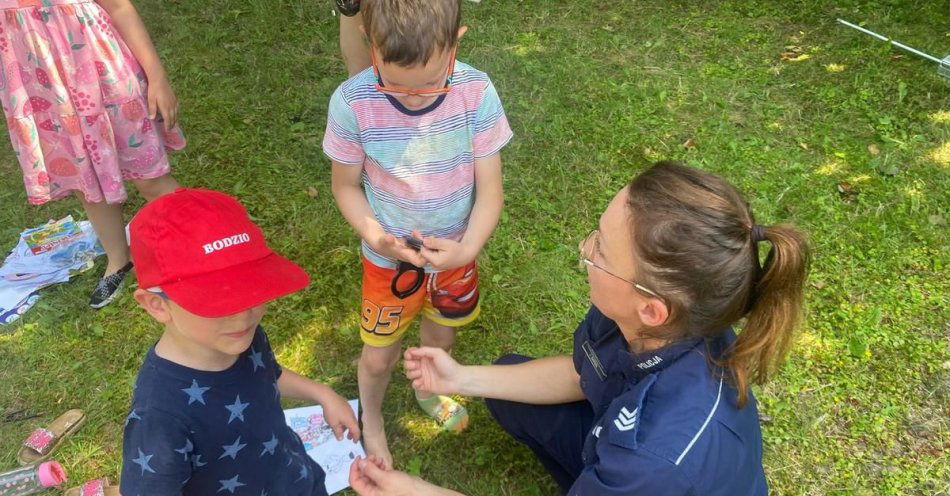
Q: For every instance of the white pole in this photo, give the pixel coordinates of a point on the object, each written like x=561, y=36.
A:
x=895, y=43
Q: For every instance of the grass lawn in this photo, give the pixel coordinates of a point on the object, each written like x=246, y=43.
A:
x=841, y=135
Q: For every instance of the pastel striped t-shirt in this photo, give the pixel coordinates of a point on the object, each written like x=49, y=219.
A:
x=418, y=166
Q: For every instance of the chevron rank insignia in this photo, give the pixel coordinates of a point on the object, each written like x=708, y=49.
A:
x=626, y=415
x=626, y=420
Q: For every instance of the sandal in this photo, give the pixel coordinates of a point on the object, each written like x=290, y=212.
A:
x=98, y=487
x=18, y=414
x=43, y=441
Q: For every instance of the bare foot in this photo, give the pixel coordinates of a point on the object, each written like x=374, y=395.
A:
x=374, y=440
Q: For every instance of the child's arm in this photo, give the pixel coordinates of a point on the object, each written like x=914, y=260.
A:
x=153, y=445
x=489, y=197
x=336, y=410
x=347, y=188
x=161, y=98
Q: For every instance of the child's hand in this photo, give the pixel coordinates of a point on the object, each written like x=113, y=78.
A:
x=389, y=246
x=162, y=100
x=432, y=370
x=339, y=416
x=445, y=254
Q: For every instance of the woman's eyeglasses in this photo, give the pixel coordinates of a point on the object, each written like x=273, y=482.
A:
x=589, y=247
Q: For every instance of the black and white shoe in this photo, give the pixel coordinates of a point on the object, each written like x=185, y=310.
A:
x=108, y=287
x=348, y=8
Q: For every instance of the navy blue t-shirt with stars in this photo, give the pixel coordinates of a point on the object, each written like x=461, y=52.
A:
x=191, y=432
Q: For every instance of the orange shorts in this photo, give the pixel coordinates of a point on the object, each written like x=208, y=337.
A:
x=449, y=298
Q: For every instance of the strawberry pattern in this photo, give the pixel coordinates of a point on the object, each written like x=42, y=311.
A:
x=43, y=78
x=75, y=102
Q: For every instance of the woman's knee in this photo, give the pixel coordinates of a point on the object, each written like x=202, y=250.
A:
x=507, y=413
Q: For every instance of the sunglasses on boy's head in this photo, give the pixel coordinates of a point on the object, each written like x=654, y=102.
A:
x=397, y=91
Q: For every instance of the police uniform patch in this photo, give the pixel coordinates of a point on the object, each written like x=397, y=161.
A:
x=624, y=414
x=594, y=360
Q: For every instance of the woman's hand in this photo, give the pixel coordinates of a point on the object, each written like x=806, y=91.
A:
x=369, y=478
x=432, y=370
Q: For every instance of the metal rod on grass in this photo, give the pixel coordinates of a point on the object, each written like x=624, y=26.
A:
x=895, y=43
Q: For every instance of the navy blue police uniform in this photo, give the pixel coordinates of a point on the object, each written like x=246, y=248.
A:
x=664, y=422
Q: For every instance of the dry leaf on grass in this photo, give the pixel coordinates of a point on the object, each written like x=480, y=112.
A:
x=846, y=189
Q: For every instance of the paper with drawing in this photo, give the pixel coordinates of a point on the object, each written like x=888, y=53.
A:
x=334, y=456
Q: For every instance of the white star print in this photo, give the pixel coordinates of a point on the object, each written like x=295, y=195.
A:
x=195, y=392
x=236, y=409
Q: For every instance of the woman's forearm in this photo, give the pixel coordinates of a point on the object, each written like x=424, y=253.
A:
x=543, y=381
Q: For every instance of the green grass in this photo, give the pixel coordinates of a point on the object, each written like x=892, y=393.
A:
x=595, y=91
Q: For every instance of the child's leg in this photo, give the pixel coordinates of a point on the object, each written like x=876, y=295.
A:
x=354, y=49
x=374, y=372
x=437, y=336
x=106, y=219
x=453, y=302
x=384, y=318
x=448, y=413
x=151, y=189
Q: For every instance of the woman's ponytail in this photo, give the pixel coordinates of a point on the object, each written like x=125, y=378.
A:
x=775, y=310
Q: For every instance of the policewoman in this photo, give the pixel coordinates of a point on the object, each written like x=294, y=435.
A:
x=656, y=398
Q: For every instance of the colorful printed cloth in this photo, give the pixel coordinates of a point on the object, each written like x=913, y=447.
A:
x=75, y=101
x=13, y=314
x=44, y=257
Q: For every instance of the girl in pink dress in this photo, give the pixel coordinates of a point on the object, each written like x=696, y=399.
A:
x=88, y=105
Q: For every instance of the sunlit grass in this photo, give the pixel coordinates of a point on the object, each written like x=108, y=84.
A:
x=594, y=91
x=941, y=155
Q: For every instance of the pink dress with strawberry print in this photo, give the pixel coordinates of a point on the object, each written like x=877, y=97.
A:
x=75, y=101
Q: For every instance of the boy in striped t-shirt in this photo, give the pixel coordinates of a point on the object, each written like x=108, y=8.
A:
x=415, y=143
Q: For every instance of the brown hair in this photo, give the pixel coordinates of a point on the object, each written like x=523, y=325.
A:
x=694, y=240
x=408, y=32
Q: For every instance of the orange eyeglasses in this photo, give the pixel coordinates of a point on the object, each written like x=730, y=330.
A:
x=395, y=91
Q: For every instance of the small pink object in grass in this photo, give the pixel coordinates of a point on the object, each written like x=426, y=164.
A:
x=31, y=479
x=51, y=474
x=40, y=440
x=93, y=488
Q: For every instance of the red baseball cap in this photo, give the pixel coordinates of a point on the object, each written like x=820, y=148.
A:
x=203, y=251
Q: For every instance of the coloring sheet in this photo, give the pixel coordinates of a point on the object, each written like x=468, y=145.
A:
x=334, y=456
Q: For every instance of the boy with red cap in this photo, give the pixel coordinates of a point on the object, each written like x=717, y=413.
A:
x=206, y=415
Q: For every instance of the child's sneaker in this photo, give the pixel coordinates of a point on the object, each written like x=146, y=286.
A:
x=348, y=8
x=108, y=287
x=448, y=413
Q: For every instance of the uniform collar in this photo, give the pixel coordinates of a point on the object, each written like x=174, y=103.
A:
x=636, y=366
